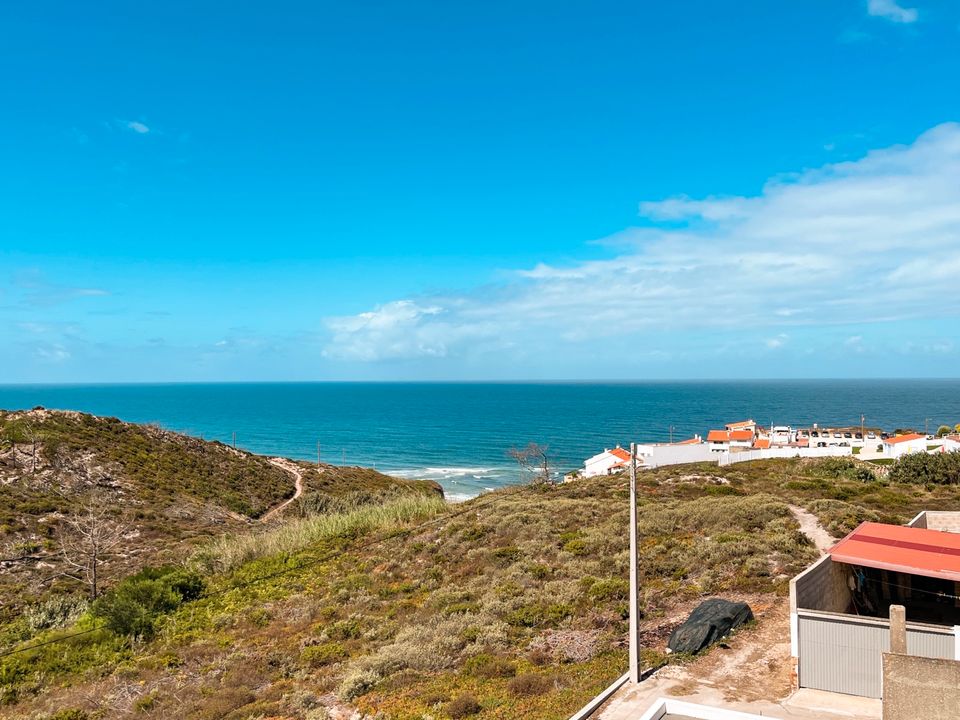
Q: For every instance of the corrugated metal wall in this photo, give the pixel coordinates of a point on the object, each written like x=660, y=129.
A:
x=844, y=653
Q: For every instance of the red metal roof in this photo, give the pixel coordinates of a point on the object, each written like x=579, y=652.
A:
x=915, y=551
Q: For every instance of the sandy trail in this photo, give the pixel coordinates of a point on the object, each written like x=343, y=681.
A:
x=811, y=527
x=291, y=468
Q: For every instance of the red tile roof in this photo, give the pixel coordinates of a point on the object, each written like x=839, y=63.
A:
x=741, y=435
x=761, y=443
x=718, y=436
x=740, y=425
x=619, y=452
x=690, y=441
x=915, y=551
x=904, y=438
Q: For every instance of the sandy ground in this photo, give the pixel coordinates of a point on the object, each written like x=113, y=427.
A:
x=291, y=468
x=751, y=671
x=812, y=528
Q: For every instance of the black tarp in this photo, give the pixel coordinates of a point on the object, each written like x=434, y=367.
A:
x=712, y=619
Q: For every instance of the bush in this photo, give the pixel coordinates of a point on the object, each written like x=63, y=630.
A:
x=464, y=706
x=489, y=666
x=70, y=714
x=325, y=654
x=921, y=468
x=529, y=684
x=135, y=605
x=54, y=613
x=540, y=614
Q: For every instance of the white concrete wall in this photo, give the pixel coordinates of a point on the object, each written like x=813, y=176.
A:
x=788, y=452
x=661, y=455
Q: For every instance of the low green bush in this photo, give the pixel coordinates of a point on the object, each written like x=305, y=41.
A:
x=464, y=706
x=134, y=606
x=530, y=684
x=489, y=666
x=323, y=654
x=921, y=469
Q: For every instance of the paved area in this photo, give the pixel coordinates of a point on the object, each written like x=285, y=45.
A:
x=751, y=671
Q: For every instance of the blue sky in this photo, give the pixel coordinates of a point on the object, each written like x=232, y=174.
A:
x=309, y=190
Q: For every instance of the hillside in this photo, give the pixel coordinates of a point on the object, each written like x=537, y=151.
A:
x=511, y=605
x=159, y=491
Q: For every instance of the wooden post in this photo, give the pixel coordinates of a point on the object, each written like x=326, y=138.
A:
x=634, y=589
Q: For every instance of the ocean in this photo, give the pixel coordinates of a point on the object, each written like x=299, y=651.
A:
x=460, y=433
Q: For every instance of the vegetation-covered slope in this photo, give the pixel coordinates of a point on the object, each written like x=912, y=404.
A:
x=160, y=491
x=511, y=605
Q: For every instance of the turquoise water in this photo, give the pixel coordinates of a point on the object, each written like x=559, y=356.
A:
x=460, y=433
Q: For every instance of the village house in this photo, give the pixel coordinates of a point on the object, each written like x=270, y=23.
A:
x=606, y=463
x=742, y=425
x=725, y=440
x=901, y=445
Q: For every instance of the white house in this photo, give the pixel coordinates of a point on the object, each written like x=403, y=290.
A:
x=904, y=445
x=951, y=443
x=743, y=425
x=723, y=440
x=606, y=463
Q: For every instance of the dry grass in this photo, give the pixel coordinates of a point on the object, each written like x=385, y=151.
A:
x=230, y=552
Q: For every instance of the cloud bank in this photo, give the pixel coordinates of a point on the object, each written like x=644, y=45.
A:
x=891, y=10
x=872, y=241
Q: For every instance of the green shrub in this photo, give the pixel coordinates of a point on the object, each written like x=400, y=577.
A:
x=529, y=684
x=463, y=706
x=324, y=654
x=489, y=666
x=609, y=589
x=70, y=714
x=921, y=468
x=55, y=612
x=135, y=605
x=507, y=555
x=539, y=614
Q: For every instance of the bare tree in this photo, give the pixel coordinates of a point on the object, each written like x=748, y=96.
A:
x=534, y=462
x=90, y=538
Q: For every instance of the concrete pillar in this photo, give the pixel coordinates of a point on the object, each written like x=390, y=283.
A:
x=634, y=584
x=898, y=629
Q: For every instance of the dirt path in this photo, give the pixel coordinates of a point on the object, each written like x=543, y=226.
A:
x=291, y=468
x=811, y=527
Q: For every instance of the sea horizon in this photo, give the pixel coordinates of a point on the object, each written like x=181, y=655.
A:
x=459, y=433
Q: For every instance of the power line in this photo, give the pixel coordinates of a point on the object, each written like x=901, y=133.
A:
x=269, y=576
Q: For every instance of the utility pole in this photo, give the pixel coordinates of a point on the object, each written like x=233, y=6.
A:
x=318, y=453
x=634, y=589
x=343, y=456
x=234, y=439
x=863, y=433
x=926, y=423
x=671, y=434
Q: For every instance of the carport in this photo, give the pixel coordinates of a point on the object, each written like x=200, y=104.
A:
x=839, y=607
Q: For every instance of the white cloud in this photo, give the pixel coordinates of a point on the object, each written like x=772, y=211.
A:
x=893, y=11
x=396, y=330
x=136, y=126
x=777, y=342
x=871, y=241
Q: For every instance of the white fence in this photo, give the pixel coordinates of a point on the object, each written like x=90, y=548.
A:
x=729, y=458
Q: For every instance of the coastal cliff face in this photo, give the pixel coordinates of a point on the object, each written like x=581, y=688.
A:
x=160, y=492
x=373, y=597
